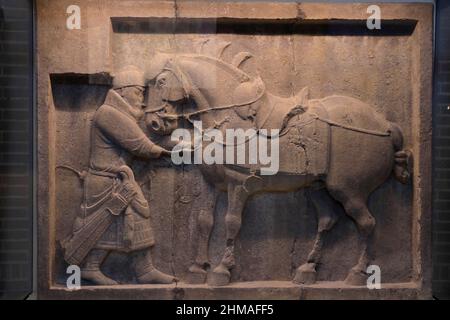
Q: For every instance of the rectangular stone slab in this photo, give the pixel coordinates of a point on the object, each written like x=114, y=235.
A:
x=323, y=46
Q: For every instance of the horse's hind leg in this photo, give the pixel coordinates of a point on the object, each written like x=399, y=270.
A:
x=237, y=197
x=356, y=207
x=326, y=219
x=205, y=221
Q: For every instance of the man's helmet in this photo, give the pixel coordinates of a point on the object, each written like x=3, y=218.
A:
x=128, y=77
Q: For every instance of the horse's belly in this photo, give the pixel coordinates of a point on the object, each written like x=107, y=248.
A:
x=287, y=182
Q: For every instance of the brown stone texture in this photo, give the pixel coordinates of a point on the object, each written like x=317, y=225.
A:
x=389, y=69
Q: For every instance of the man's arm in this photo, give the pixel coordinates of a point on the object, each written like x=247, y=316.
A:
x=126, y=133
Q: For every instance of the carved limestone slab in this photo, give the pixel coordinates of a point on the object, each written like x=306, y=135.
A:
x=351, y=188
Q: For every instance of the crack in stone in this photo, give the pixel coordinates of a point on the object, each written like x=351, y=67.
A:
x=300, y=13
x=295, y=140
x=175, y=8
x=293, y=265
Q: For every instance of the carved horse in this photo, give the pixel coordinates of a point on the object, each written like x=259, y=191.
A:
x=364, y=150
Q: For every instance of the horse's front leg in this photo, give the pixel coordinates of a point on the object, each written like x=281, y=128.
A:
x=205, y=221
x=237, y=197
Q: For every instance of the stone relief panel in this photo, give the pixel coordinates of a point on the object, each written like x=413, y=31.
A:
x=345, y=196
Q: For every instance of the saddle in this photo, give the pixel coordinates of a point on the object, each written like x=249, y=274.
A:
x=303, y=141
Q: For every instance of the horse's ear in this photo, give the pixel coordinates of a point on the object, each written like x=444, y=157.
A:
x=239, y=58
x=156, y=65
x=302, y=97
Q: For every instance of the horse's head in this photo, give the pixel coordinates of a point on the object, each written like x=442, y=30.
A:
x=172, y=90
x=210, y=84
x=170, y=86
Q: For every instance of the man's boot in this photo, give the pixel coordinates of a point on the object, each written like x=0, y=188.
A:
x=147, y=273
x=91, y=268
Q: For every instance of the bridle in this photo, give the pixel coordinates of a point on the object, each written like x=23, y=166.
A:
x=188, y=88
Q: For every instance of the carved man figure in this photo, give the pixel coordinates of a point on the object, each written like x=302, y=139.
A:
x=115, y=214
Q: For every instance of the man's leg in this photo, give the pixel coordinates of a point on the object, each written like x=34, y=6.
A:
x=146, y=272
x=91, y=268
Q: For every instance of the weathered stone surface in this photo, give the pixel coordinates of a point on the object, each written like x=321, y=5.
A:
x=388, y=70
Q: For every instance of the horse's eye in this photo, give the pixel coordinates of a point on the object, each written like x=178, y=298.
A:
x=161, y=82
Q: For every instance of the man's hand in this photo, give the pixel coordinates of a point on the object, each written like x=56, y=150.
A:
x=160, y=151
x=165, y=152
x=184, y=146
x=180, y=147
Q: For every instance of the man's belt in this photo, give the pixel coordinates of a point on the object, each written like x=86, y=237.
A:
x=103, y=173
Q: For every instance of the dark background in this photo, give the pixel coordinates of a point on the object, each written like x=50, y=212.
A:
x=441, y=154
x=16, y=148
x=17, y=139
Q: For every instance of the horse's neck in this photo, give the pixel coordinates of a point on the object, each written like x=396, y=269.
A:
x=208, y=101
x=208, y=98
x=270, y=113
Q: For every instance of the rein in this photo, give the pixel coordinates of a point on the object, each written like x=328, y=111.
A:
x=188, y=116
x=187, y=87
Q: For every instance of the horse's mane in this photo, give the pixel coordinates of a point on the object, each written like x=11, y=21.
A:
x=229, y=68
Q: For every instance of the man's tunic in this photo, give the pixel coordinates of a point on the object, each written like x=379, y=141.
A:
x=115, y=139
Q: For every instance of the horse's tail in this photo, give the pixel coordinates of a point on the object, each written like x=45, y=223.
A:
x=401, y=157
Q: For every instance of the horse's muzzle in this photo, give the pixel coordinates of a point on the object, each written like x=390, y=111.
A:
x=160, y=126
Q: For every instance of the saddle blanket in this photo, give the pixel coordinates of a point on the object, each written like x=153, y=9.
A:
x=304, y=145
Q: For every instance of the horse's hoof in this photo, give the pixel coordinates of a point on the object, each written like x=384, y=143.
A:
x=356, y=278
x=196, y=275
x=306, y=274
x=219, y=277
